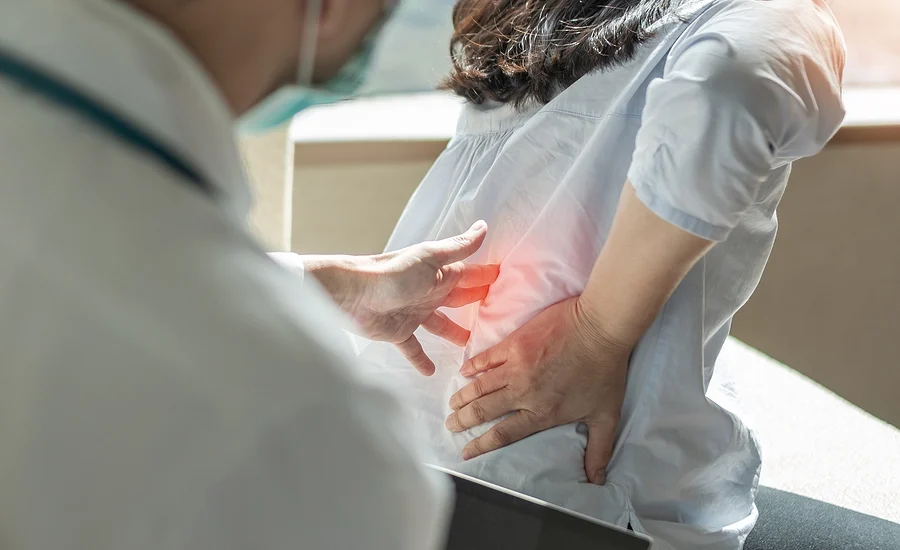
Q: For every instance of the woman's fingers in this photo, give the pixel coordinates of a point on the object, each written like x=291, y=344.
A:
x=412, y=350
x=440, y=325
x=476, y=413
x=485, y=384
x=601, y=439
x=487, y=360
x=517, y=427
x=460, y=297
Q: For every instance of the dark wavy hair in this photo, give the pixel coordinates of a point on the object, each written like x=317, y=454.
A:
x=524, y=51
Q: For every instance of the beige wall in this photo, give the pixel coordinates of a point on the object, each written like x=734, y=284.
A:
x=828, y=306
x=349, y=196
x=267, y=159
x=829, y=303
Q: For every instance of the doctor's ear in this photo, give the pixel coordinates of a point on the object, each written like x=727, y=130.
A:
x=343, y=24
x=356, y=17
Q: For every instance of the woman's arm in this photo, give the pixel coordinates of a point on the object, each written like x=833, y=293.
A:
x=641, y=264
x=734, y=101
x=569, y=364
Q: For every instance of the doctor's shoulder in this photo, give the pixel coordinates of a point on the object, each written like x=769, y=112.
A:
x=240, y=336
x=311, y=442
x=326, y=442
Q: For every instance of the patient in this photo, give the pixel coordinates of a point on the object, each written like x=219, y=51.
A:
x=628, y=156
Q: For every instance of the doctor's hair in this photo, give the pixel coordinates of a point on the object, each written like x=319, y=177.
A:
x=527, y=51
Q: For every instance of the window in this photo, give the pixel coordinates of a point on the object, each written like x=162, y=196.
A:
x=873, y=41
x=870, y=29
x=414, y=53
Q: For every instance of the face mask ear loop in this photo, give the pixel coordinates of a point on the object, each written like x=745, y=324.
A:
x=309, y=42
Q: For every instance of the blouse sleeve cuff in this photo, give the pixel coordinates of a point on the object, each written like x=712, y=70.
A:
x=677, y=217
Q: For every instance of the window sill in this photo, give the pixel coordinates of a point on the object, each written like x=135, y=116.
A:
x=873, y=115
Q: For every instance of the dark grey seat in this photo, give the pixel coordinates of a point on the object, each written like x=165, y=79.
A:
x=792, y=522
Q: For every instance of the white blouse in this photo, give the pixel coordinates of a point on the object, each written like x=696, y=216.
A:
x=705, y=123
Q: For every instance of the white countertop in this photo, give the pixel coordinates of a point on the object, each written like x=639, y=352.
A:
x=433, y=116
x=427, y=116
x=814, y=443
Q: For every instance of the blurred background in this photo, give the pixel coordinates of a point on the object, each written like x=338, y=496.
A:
x=870, y=28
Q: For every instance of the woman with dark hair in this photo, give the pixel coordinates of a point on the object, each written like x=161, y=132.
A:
x=629, y=156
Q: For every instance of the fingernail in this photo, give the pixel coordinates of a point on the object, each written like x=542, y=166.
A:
x=449, y=423
x=600, y=478
x=466, y=371
x=468, y=454
x=479, y=225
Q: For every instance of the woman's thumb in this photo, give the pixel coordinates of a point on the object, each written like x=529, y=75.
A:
x=597, y=455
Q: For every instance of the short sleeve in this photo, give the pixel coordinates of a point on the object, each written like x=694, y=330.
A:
x=750, y=86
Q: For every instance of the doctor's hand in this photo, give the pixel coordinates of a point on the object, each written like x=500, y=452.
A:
x=558, y=368
x=404, y=289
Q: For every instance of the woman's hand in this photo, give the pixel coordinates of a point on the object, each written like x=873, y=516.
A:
x=557, y=369
x=569, y=363
x=404, y=289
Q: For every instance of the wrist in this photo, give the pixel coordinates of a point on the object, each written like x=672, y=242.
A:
x=346, y=279
x=599, y=333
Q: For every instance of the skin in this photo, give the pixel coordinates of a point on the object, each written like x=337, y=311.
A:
x=404, y=289
x=569, y=363
x=251, y=48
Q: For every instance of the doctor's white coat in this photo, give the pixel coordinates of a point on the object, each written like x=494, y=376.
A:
x=163, y=384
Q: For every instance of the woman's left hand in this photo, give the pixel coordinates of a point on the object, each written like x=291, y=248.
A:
x=558, y=368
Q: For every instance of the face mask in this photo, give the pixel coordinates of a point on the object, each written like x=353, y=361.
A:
x=285, y=103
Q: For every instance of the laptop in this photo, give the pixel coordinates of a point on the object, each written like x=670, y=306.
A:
x=488, y=517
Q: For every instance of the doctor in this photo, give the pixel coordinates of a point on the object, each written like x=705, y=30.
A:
x=164, y=384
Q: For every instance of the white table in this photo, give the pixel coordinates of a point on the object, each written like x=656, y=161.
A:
x=814, y=443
